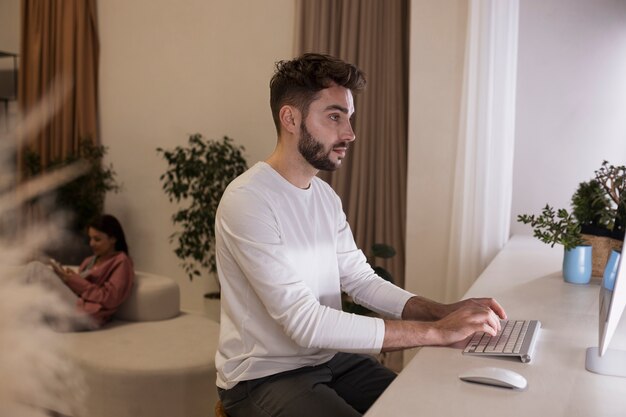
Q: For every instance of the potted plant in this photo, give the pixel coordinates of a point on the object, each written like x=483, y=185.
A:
x=83, y=198
x=198, y=175
x=555, y=227
x=560, y=227
x=600, y=207
x=598, y=213
x=612, y=178
x=591, y=207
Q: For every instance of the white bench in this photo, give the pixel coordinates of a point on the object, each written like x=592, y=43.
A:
x=151, y=360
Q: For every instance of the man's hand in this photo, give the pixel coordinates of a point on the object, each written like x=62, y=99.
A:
x=487, y=302
x=446, y=325
x=420, y=308
x=469, y=317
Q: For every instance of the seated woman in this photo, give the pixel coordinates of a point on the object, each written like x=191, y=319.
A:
x=103, y=281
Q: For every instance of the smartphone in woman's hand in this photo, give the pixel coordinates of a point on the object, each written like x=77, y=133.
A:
x=56, y=266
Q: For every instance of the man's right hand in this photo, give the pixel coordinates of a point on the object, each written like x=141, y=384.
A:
x=457, y=326
x=465, y=321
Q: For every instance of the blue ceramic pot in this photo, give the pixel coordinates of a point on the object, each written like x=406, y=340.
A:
x=608, y=279
x=577, y=265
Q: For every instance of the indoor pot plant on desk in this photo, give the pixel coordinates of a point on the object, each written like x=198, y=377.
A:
x=599, y=205
x=560, y=227
x=598, y=216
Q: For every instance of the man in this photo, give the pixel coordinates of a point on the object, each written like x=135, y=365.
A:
x=284, y=254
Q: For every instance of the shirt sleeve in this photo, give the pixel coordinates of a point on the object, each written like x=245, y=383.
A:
x=359, y=280
x=252, y=238
x=116, y=279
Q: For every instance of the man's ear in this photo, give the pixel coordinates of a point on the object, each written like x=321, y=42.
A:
x=289, y=118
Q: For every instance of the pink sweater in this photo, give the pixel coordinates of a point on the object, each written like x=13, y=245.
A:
x=105, y=287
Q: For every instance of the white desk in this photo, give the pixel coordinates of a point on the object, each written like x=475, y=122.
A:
x=526, y=279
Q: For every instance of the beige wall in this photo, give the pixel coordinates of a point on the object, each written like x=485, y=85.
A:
x=168, y=69
x=438, y=31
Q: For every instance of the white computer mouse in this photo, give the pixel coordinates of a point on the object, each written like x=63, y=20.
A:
x=499, y=377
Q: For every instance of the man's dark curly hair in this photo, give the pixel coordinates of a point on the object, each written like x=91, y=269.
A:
x=298, y=82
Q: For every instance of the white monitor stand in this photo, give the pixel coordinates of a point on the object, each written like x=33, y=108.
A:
x=602, y=360
x=612, y=363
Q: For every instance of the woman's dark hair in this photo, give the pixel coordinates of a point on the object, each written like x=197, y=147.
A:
x=110, y=226
x=297, y=82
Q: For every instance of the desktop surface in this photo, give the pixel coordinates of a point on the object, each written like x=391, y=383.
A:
x=526, y=279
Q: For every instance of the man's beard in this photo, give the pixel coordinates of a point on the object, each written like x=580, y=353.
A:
x=313, y=151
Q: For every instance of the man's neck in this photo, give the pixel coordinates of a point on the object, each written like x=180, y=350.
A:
x=294, y=168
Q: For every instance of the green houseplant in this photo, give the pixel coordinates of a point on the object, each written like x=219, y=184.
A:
x=597, y=219
x=612, y=179
x=198, y=174
x=558, y=226
x=600, y=207
x=591, y=207
x=83, y=198
x=600, y=204
x=555, y=227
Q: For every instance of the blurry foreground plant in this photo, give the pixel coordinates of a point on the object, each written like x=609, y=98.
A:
x=37, y=376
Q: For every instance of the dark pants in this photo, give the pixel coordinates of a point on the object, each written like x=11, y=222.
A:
x=347, y=385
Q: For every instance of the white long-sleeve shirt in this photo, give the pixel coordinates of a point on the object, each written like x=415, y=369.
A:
x=283, y=256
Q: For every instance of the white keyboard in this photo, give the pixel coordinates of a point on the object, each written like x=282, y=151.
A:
x=516, y=338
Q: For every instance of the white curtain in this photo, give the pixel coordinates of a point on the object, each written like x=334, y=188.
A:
x=484, y=161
